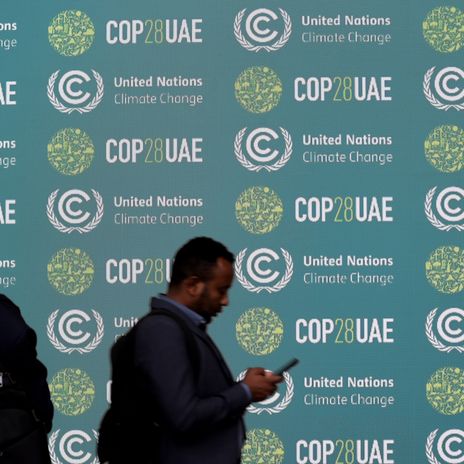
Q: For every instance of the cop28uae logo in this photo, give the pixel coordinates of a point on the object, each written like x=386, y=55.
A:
x=259, y=210
x=75, y=330
x=71, y=33
x=444, y=211
x=443, y=88
x=445, y=269
x=443, y=29
x=70, y=151
x=259, y=331
x=260, y=149
x=264, y=270
x=68, y=216
x=258, y=36
x=262, y=445
x=73, y=446
x=77, y=91
x=444, y=148
x=449, y=327
x=445, y=391
x=449, y=447
x=258, y=89
x=70, y=271
x=72, y=391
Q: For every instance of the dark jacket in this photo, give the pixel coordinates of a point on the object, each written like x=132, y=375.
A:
x=200, y=413
x=18, y=356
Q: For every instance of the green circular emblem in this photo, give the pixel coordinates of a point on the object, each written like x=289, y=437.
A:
x=70, y=271
x=443, y=29
x=445, y=390
x=262, y=446
x=259, y=331
x=258, y=89
x=259, y=210
x=70, y=151
x=444, y=148
x=71, y=33
x=445, y=269
x=72, y=391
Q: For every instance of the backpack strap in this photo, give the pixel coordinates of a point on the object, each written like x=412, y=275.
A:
x=192, y=347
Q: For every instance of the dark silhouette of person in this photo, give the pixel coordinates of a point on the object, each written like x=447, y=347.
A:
x=24, y=394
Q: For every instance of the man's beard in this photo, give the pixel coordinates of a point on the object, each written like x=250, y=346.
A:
x=202, y=305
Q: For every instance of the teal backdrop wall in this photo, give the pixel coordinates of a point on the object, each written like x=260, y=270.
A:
x=323, y=142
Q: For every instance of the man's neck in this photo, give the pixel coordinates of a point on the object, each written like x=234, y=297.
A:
x=178, y=297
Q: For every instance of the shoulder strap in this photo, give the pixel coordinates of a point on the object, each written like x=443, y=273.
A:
x=192, y=347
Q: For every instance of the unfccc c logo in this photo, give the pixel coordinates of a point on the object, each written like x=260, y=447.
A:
x=447, y=90
x=260, y=269
x=449, y=447
x=261, y=154
x=72, y=447
x=71, y=96
x=71, y=217
x=258, y=36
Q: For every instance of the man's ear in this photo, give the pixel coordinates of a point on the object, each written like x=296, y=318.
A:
x=194, y=286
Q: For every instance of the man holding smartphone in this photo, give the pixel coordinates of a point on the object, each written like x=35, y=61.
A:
x=181, y=379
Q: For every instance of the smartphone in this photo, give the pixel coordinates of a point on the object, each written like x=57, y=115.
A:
x=287, y=366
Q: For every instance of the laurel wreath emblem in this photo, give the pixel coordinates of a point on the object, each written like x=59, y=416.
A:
x=278, y=407
x=432, y=99
x=82, y=350
x=433, y=219
x=433, y=339
x=429, y=448
x=68, y=110
x=268, y=48
x=281, y=162
x=51, y=447
x=82, y=230
x=258, y=289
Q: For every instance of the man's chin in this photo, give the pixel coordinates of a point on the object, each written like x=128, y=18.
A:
x=215, y=313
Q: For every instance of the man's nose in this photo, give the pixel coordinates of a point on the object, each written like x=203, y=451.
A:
x=225, y=300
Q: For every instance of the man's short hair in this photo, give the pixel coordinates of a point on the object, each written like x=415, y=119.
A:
x=198, y=258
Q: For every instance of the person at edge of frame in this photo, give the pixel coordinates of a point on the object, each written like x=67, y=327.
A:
x=26, y=411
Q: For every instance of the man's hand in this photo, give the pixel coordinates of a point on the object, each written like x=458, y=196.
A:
x=261, y=383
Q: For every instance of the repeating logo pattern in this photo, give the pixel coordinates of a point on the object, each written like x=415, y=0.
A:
x=449, y=447
x=262, y=445
x=443, y=29
x=445, y=269
x=259, y=210
x=69, y=210
x=71, y=33
x=72, y=391
x=71, y=97
x=259, y=331
x=444, y=148
x=258, y=269
x=445, y=390
x=258, y=89
x=447, y=207
x=70, y=271
x=442, y=88
x=450, y=328
x=72, y=447
x=258, y=36
x=71, y=336
x=258, y=154
x=277, y=402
